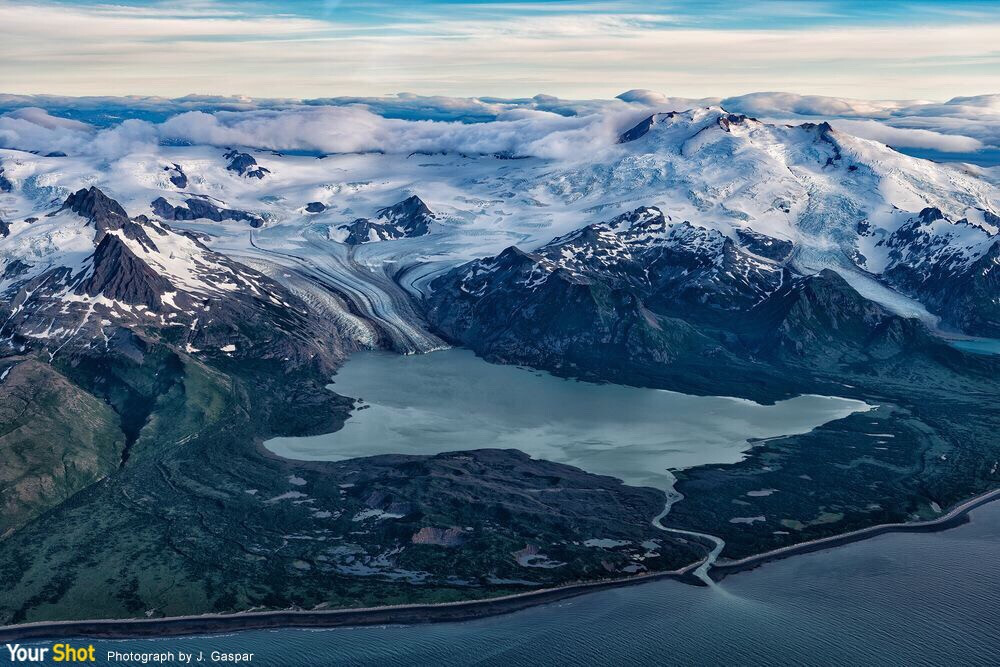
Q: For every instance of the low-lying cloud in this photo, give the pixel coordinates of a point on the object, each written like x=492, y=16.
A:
x=542, y=126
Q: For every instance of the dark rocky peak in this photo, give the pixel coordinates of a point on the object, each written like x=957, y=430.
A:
x=406, y=219
x=177, y=176
x=647, y=218
x=106, y=215
x=364, y=231
x=583, y=236
x=644, y=126
x=5, y=185
x=197, y=208
x=696, y=238
x=511, y=269
x=315, y=207
x=820, y=128
x=97, y=208
x=930, y=214
x=4, y=229
x=764, y=245
x=595, y=251
x=245, y=165
x=118, y=274
x=14, y=269
x=411, y=208
x=512, y=255
x=727, y=121
x=919, y=232
x=593, y=242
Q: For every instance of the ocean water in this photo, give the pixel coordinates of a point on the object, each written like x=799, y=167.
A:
x=452, y=400
x=898, y=599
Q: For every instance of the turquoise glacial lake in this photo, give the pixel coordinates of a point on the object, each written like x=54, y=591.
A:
x=452, y=400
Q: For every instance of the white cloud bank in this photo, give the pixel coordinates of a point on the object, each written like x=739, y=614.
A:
x=908, y=138
x=542, y=126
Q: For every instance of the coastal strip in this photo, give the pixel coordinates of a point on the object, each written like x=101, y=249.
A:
x=954, y=517
x=409, y=614
x=447, y=611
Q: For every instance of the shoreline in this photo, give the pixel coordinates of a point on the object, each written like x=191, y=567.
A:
x=449, y=611
x=956, y=516
x=408, y=614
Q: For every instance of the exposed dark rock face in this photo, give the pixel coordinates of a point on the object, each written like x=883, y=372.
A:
x=97, y=208
x=4, y=228
x=315, y=207
x=118, y=274
x=674, y=268
x=177, y=176
x=245, y=165
x=823, y=321
x=106, y=215
x=644, y=126
x=249, y=312
x=406, y=219
x=728, y=121
x=199, y=208
x=765, y=246
x=14, y=269
x=5, y=185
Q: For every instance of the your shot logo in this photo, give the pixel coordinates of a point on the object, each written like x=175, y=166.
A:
x=56, y=653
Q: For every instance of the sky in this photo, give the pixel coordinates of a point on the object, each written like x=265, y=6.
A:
x=878, y=49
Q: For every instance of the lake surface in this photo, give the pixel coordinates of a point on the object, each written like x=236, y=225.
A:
x=899, y=599
x=452, y=400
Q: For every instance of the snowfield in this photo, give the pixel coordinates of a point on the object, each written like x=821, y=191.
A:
x=839, y=199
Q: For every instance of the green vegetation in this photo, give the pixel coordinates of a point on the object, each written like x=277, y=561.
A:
x=55, y=439
x=928, y=446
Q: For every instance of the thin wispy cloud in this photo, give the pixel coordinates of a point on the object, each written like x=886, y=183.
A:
x=567, y=49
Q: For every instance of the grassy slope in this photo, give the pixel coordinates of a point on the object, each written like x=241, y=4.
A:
x=55, y=439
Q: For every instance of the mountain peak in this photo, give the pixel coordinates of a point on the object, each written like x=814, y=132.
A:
x=405, y=219
x=121, y=276
x=96, y=207
x=244, y=164
x=106, y=214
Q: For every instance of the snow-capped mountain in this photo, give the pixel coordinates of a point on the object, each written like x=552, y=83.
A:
x=87, y=268
x=406, y=219
x=674, y=266
x=950, y=265
x=243, y=164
